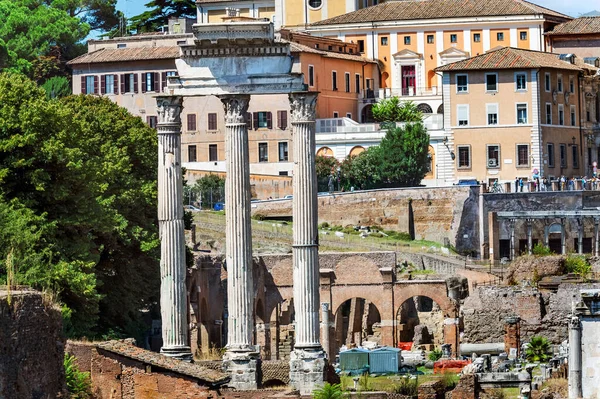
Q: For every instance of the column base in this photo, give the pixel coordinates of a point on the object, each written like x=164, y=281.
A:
x=244, y=368
x=178, y=352
x=308, y=369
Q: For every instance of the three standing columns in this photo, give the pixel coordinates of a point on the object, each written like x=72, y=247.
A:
x=173, y=293
x=241, y=359
x=307, y=361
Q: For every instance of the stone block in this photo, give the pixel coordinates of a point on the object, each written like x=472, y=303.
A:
x=244, y=369
x=307, y=370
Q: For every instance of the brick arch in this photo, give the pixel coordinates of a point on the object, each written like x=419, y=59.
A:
x=436, y=293
x=357, y=270
x=339, y=297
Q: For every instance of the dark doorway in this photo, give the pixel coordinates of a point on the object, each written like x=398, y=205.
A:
x=555, y=245
x=504, y=249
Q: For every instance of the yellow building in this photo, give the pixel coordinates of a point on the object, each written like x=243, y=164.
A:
x=411, y=38
x=283, y=13
x=513, y=113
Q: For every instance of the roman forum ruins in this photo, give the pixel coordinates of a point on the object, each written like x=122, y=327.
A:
x=233, y=61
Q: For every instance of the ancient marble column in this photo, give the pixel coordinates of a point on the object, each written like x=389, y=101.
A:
x=575, y=383
x=241, y=359
x=325, y=322
x=307, y=361
x=173, y=294
x=529, y=236
x=596, y=237
x=511, y=224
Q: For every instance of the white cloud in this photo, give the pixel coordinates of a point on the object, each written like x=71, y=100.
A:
x=572, y=8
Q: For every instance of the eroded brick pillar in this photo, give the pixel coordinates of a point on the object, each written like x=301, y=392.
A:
x=512, y=336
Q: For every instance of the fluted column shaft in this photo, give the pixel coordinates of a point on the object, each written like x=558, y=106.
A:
x=173, y=294
x=240, y=289
x=305, y=217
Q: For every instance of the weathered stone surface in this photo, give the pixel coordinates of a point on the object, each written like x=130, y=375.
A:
x=422, y=335
x=465, y=389
x=31, y=347
x=522, y=269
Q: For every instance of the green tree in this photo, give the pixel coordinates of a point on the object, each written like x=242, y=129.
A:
x=57, y=87
x=329, y=391
x=100, y=15
x=403, y=156
x=159, y=13
x=324, y=167
x=31, y=29
x=79, y=175
x=538, y=350
x=362, y=171
x=391, y=110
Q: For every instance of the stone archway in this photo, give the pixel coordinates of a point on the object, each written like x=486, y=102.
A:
x=420, y=320
x=356, y=150
x=555, y=238
x=366, y=115
x=325, y=152
x=356, y=320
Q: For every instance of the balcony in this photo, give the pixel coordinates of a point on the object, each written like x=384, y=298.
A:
x=411, y=91
x=368, y=96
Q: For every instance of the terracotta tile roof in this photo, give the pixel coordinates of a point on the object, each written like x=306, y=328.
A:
x=301, y=48
x=127, y=54
x=430, y=9
x=510, y=58
x=128, y=350
x=578, y=26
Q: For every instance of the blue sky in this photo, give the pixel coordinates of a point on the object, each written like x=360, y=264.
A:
x=572, y=8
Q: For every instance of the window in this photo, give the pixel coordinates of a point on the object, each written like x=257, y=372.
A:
x=283, y=151
x=89, y=84
x=453, y=38
x=191, y=122
x=263, y=152
x=311, y=76
x=347, y=81
x=430, y=39
x=500, y=36
x=462, y=83
x=150, y=82
x=573, y=116
x=575, y=153
x=522, y=155
x=121, y=45
x=462, y=112
x=523, y=35
x=476, y=37
x=492, y=114
x=561, y=114
x=212, y=122
x=213, y=153
x=491, y=82
x=384, y=41
x=521, y=81
x=357, y=83
x=464, y=157
x=315, y=3
x=563, y=155
x=559, y=83
x=262, y=120
x=407, y=40
x=361, y=46
x=550, y=149
x=282, y=120
x=547, y=82
x=521, y=114
x=151, y=121
x=348, y=115
x=493, y=156
x=334, y=85
x=571, y=84
x=191, y=153
x=109, y=84
x=336, y=114
x=548, y=114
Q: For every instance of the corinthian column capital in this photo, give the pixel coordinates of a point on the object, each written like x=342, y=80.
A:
x=303, y=107
x=235, y=107
x=169, y=109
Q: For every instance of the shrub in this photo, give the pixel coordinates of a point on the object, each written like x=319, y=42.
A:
x=435, y=355
x=536, y=277
x=407, y=386
x=494, y=394
x=541, y=250
x=538, y=349
x=328, y=391
x=79, y=384
x=259, y=216
x=188, y=220
x=449, y=380
x=579, y=265
x=324, y=225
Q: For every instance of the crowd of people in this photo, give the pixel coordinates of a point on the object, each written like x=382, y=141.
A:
x=563, y=184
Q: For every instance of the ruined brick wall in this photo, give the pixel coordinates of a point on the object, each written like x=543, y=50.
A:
x=439, y=214
x=31, y=347
x=542, y=313
x=82, y=352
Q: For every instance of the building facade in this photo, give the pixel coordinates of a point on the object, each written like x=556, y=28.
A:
x=513, y=113
x=412, y=38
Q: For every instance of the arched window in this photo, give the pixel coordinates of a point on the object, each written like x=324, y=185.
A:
x=315, y=3
x=425, y=108
x=440, y=109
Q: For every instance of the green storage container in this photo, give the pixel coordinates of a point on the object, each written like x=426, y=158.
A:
x=385, y=360
x=354, y=361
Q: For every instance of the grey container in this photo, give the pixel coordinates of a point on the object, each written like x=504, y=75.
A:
x=385, y=360
x=354, y=360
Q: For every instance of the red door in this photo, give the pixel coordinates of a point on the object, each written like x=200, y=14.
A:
x=408, y=80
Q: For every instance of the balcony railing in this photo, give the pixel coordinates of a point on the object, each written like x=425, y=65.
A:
x=346, y=125
x=411, y=91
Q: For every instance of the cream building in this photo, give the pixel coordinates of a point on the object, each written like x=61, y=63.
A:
x=514, y=113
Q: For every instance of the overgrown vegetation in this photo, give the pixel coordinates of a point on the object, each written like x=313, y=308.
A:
x=407, y=386
x=328, y=391
x=579, y=265
x=435, y=355
x=540, y=250
x=495, y=393
x=538, y=350
x=78, y=382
